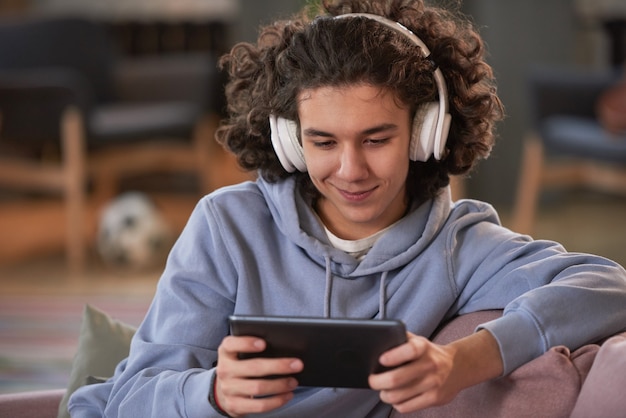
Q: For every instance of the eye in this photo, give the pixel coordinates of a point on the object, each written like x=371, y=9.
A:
x=377, y=141
x=323, y=144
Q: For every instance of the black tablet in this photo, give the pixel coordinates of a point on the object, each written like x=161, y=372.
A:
x=335, y=352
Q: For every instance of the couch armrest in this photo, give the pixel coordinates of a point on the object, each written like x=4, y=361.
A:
x=602, y=394
x=463, y=326
x=34, y=404
x=453, y=330
x=527, y=391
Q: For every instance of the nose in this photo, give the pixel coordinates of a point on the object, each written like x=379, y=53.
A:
x=353, y=164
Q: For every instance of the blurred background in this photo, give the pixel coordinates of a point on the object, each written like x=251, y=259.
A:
x=136, y=187
x=579, y=35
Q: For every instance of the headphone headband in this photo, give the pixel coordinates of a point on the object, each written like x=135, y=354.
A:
x=431, y=122
x=442, y=90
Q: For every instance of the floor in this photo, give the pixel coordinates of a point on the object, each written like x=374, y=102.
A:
x=45, y=270
x=584, y=222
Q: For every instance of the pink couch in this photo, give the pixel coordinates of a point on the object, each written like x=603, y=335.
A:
x=586, y=382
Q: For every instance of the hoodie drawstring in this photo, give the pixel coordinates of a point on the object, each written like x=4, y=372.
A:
x=382, y=293
x=329, y=288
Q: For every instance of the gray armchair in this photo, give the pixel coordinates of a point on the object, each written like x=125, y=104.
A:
x=566, y=145
x=128, y=116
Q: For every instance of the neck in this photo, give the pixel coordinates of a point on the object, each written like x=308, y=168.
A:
x=357, y=230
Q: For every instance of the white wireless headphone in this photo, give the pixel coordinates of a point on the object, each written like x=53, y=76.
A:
x=431, y=122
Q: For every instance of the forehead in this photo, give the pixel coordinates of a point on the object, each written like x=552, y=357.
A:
x=350, y=111
x=364, y=94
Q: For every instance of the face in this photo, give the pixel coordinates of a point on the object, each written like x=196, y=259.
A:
x=356, y=147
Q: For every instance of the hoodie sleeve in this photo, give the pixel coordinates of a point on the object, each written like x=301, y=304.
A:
x=550, y=296
x=174, y=351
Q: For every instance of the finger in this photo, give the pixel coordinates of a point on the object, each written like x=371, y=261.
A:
x=250, y=405
x=264, y=387
x=264, y=367
x=232, y=345
x=242, y=376
x=413, y=349
x=409, y=374
x=412, y=389
x=417, y=403
x=268, y=393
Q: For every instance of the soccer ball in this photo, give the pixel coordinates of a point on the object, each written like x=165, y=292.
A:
x=132, y=232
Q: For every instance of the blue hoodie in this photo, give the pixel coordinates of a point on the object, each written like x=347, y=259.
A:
x=258, y=248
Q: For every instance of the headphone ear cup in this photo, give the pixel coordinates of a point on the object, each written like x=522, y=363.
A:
x=284, y=136
x=424, y=131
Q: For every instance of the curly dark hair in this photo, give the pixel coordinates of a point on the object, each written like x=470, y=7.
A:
x=314, y=50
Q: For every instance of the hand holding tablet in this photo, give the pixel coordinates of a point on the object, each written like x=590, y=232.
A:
x=335, y=352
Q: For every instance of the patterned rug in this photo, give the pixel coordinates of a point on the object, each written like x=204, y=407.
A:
x=39, y=335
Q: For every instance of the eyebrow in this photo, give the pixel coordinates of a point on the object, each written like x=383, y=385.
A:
x=370, y=131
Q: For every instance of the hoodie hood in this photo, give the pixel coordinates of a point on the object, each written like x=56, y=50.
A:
x=401, y=244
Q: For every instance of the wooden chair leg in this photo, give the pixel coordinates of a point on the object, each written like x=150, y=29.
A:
x=75, y=201
x=105, y=186
x=529, y=185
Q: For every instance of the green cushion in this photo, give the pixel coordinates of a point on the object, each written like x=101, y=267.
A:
x=102, y=344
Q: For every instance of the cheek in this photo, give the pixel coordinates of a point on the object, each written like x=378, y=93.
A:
x=318, y=172
x=319, y=165
x=392, y=166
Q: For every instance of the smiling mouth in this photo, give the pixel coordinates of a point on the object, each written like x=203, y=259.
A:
x=356, y=196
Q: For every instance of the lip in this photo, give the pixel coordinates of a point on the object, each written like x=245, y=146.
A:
x=357, y=196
